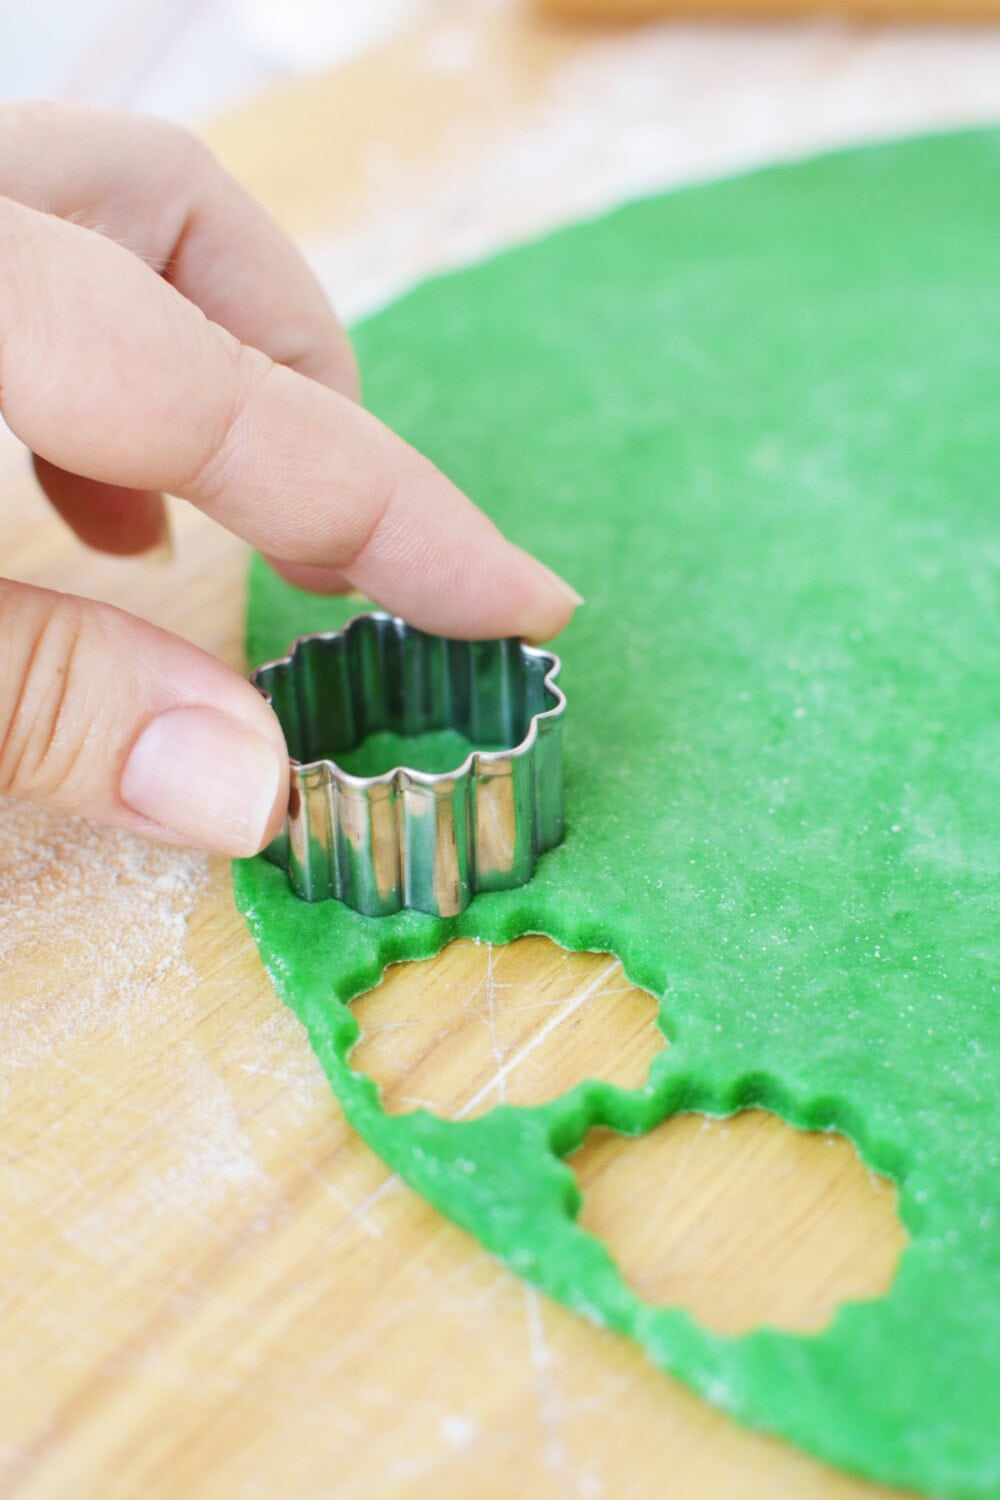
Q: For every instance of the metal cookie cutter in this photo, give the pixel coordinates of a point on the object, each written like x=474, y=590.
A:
x=416, y=838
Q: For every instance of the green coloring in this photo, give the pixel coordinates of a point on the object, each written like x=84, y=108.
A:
x=757, y=424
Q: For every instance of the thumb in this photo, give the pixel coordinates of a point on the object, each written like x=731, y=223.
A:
x=104, y=715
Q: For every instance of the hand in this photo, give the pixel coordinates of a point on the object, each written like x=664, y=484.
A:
x=159, y=333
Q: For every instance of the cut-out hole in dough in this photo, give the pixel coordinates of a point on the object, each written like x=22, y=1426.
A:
x=743, y=1221
x=479, y=1025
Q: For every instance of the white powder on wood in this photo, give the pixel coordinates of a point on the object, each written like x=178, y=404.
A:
x=93, y=923
x=138, y=1113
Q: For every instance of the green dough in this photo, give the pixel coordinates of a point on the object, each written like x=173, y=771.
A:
x=758, y=425
x=438, y=750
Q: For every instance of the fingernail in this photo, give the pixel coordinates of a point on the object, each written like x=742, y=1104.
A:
x=205, y=777
x=560, y=585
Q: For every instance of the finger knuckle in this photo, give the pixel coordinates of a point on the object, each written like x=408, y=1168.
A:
x=47, y=714
x=222, y=443
x=380, y=503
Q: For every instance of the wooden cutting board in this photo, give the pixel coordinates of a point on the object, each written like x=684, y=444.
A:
x=210, y=1287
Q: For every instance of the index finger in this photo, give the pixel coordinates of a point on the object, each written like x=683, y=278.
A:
x=154, y=188
x=108, y=372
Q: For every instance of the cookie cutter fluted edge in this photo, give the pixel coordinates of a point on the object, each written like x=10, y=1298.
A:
x=409, y=838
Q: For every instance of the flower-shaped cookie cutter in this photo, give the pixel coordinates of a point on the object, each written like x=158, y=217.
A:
x=408, y=838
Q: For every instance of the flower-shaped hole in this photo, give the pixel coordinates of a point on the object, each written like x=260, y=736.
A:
x=742, y=1221
x=479, y=1025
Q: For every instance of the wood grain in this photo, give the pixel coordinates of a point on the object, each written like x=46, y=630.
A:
x=780, y=1229
x=743, y=1221
x=465, y=1033
x=210, y=1287
x=213, y=1287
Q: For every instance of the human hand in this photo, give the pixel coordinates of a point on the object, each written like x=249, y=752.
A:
x=159, y=333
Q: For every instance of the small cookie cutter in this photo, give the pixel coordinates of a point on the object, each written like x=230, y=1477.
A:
x=411, y=838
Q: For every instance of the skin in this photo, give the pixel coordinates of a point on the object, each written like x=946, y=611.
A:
x=158, y=333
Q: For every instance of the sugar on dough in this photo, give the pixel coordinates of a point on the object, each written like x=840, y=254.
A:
x=756, y=424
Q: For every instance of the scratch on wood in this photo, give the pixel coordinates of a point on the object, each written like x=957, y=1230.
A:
x=506, y=1068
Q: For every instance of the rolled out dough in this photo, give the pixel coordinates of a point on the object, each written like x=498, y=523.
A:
x=758, y=425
